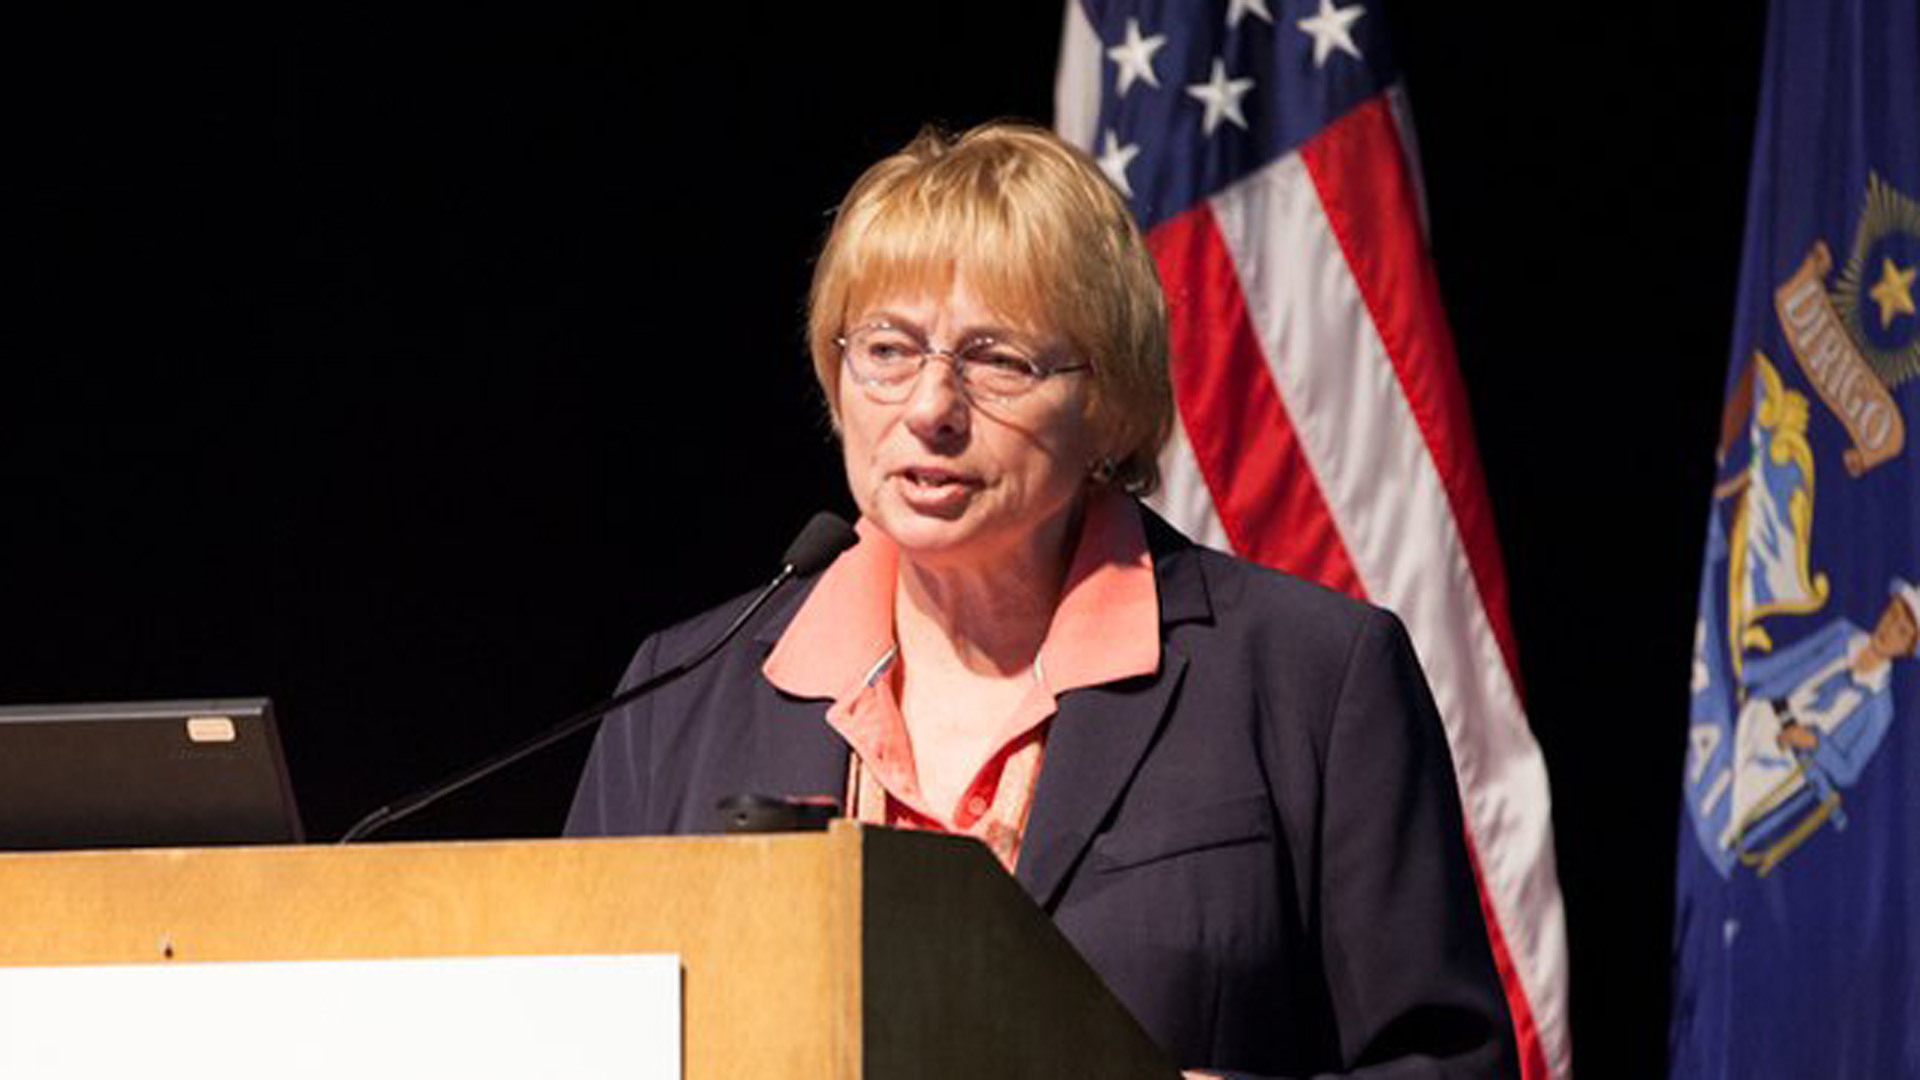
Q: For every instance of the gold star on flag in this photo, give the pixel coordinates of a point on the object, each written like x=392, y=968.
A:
x=1893, y=292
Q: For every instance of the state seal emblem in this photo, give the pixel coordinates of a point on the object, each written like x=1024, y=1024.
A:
x=1789, y=707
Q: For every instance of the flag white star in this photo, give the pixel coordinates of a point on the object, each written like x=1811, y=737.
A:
x=1221, y=96
x=1115, y=156
x=1135, y=57
x=1239, y=9
x=1332, y=28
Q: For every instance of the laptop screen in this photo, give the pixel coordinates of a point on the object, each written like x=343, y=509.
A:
x=144, y=774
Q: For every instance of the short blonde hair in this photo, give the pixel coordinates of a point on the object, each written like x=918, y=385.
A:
x=1039, y=233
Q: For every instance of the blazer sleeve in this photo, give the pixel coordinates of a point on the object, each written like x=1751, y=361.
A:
x=1409, y=974
x=612, y=797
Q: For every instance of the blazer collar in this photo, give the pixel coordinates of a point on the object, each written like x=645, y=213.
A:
x=1102, y=733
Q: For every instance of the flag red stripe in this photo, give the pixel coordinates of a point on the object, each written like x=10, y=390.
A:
x=1367, y=193
x=1389, y=263
x=1259, y=477
x=1526, y=1034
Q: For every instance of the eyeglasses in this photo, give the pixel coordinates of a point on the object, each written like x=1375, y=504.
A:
x=886, y=361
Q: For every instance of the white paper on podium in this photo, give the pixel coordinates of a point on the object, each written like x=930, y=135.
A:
x=512, y=1016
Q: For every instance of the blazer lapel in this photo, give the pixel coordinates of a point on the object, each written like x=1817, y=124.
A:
x=794, y=752
x=797, y=754
x=1101, y=733
x=774, y=744
x=1096, y=742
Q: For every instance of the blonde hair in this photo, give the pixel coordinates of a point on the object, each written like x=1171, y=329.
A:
x=1037, y=231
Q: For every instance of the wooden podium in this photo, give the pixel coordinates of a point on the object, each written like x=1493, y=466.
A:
x=855, y=954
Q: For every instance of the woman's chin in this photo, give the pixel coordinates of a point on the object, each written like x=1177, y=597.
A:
x=920, y=534
x=933, y=537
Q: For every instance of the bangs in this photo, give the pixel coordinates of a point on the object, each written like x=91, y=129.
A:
x=920, y=246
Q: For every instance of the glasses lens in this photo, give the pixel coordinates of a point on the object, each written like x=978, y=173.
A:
x=997, y=372
x=883, y=359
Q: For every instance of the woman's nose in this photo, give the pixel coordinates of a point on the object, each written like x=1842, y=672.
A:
x=938, y=408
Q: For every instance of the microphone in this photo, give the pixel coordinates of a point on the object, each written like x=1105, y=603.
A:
x=823, y=539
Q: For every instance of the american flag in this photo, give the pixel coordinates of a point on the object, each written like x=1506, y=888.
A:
x=1265, y=148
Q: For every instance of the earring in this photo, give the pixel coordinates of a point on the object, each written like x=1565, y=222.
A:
x=1103, y=471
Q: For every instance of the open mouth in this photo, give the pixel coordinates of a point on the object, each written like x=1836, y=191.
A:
x=931, y=479
x=940, y=492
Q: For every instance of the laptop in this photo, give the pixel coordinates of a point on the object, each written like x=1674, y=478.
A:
x=144, y=774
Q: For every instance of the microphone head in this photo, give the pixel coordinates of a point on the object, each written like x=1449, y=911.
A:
x=824, y=538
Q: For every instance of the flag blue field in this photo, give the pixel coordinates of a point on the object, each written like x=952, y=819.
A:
x=1798, y=892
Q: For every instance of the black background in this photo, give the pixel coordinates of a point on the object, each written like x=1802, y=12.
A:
x=408, y=366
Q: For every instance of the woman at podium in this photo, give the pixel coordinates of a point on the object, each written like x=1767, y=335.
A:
x=1228, y=787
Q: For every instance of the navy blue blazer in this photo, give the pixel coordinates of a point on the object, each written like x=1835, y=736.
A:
x=1259, y=847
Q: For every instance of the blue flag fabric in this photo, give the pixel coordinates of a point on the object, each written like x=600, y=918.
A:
x=1798, y=891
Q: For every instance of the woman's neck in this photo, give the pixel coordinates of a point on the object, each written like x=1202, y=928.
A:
x=989, y=617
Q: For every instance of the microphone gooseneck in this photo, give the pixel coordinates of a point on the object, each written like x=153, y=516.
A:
x=819, y=543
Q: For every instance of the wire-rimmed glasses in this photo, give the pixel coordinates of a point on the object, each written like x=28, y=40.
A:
x=886, y=361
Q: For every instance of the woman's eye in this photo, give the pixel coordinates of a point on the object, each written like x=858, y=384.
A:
x=1001, y=363
x=889, y=350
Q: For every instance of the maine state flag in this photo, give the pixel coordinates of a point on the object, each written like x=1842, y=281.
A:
x=1798, y=900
